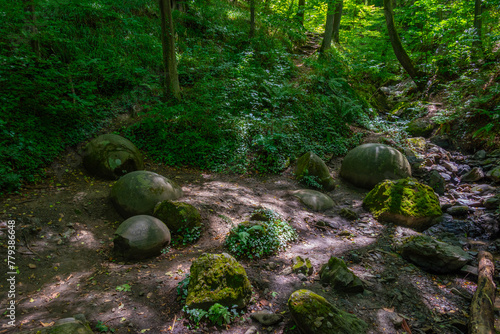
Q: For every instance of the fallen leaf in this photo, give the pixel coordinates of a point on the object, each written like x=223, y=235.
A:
x=46, y=324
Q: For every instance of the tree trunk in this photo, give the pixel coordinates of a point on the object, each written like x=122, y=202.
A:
x=171, y=79
x=336, y=21
x=400, y=52
x=300, y=11
x=327, y=39
x=478, y=23
x=33, y=31
x=332, y=25
x=482, y=319
x=252, y=18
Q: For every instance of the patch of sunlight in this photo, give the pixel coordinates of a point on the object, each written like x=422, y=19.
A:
x=234, y=14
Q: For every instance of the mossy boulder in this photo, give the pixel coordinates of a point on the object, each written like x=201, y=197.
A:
x=369, y=164
x=137, y=193
x=218, y=278
x=111, y=156
x=434, y=256
x=140, y=237
x=302, y=266
x=313, y=199
x=405, y=202
x=310, y=166
x=494, y=174
x=74, y=325
x=177, y=215
x=313, y=314
x=339, y=277
x=421, y=127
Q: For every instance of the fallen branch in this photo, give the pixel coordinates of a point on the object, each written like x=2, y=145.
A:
x=482, y=319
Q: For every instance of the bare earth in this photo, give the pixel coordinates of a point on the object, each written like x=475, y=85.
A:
x=65, y=226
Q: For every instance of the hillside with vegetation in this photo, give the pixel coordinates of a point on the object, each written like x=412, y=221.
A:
x=259, y=85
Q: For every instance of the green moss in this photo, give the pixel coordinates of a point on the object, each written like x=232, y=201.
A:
x=314, y=314
x=217, y=279
x=177, y=215
x=406, y=197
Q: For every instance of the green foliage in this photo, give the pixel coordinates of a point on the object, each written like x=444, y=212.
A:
x=217, y=314
x=259, y=239
x=123, y=287
x=186, y=236
x=311, y=180
x=102, y=328
x=182, y=288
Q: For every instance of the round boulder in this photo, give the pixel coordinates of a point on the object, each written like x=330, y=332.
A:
x=140, y=237
x=138, y=193
x=177, y=215
x=111, y=156
x=404, y=202
x=369, y=164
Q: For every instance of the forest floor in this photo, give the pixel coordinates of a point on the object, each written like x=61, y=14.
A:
x=64, y=233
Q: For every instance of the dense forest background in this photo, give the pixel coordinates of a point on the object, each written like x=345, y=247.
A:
x=254, y=92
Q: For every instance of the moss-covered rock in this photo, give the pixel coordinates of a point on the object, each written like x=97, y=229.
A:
x=421, y=127
x=313, y=314
x=311, y=166
x=218, y=278
x=369, y=164
x=137, y=193
x=140, y=237
x=177, y=215
x=404, y=202
x=336, y=273
x=434, y=256
x=111, y=156
x=494, y=174
x=302, y=266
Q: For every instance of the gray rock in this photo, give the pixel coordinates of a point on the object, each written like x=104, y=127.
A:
x=475, y=174
x=266, y=318
x=421, y=127
x=339, y=277
x=458, y=210
x=311, y=169
x=252, y=330
x=348, y=214
x=369, y=164
x=434, y=256
x=313, y=314
x=450, y=166
x=111, y=156
x=313, y=199
x=137, y=193
x=490, y=224
x=480, y=155
x=483, y=189
x=437, y=182
x=74, y=325
x=140, y=237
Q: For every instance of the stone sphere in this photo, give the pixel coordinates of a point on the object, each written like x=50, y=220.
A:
x=369, y=164
x=111, y=156
x=137, y=193
x=140, y=237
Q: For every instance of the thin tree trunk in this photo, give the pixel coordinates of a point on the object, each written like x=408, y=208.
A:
x=327, y=39
x=400, y=52
x=171, y=78
x=336, y=21
x=332, y=25
x=301, y=10
x=252, y=18
x=482, y=320
x=33, y=31
x=478, y=23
